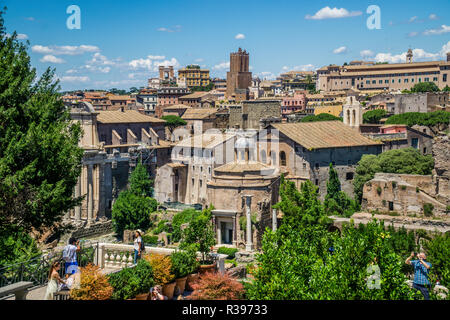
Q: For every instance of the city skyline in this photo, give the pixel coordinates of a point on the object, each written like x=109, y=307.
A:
x=281, y=36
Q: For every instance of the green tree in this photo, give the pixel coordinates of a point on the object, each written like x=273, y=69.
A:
x=438, y=253
x=421, y=118
x=40, y=160
x=406, y=161
x=173, y=121
x=185, y=216
x=300, y=207
x=374, y=116
x=200, y=233
x=140, y=182
x=133, y=207
x=337, y=202
x=446, y=89
x=425, y=87
x=320, y=117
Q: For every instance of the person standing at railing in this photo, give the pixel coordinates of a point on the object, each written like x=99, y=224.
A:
x=137, y=245
x=53, y=280
x=70, y=256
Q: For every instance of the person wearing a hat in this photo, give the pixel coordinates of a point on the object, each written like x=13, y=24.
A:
x=137, y=245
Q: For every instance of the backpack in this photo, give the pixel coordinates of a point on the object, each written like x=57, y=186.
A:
x=142, y=245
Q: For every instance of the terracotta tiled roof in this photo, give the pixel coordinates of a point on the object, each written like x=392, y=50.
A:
x=127, y=116
x=120, y=98
x=195, y=95
x=198, y=113
x=323, y=134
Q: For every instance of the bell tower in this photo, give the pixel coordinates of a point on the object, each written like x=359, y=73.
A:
x=409, y=56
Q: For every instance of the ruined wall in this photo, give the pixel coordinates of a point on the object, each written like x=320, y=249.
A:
x=441, y=172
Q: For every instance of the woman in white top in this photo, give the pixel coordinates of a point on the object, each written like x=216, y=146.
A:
x=53, y=280
x=137, y=245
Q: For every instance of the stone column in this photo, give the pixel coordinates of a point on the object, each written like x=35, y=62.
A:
x=90, y=194
x=274, y=219
x=102, y=193
x=249, y=243
x=77, y=216
x=234, y=231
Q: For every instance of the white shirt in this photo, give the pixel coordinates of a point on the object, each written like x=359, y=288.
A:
x=72, y=252
x=137, y=243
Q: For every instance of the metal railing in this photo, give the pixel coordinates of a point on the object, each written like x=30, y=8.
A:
x=36, y=270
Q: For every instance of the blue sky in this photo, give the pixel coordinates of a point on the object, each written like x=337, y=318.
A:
x=122, y=43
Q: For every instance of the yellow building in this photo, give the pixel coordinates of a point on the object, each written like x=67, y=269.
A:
x=333, y=110
x=193, y=76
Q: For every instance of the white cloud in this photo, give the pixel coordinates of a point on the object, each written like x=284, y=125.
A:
x=75, y=79
x=304, y=67
x=64, y=50
x=29, y=18
x=222, y=66
x=340, y=50
x=412, y=34
x=71, y=71
x=418, y=55
x=433, y=17
x=199, y=60
x=176, y=28
x=152, y=63
x=240, y=36
x=22, y=36
x=412, y=19
x=443, y=29
x=51, y=59
x=328, y=13
x=366, y=53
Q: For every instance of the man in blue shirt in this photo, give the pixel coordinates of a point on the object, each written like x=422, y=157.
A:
x=421, y=269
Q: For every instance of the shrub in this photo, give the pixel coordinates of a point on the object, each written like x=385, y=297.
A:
x=428, y=209
x=93, y=285
x=200, y=233
x=379, y=190
x=374, y=116
x=180, y=218
x=184, y=262
x=217, y=286
x=163, y=226
x=150, y=240
x=417, y=189
x=320, y=117
x=394, y=184
x=130, y=282
x=403, y=187
x=228, y=251
x=438, y=253
x=162, y=268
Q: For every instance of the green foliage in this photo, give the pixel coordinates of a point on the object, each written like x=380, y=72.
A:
x=129, y=282
x=407, y=161
x=228, y=251
x=438, y=253
x=320, y=117
x=133, y=207
x=446, y=89
x=131, y=212
x=209, y=87
x=163, y=226
x=374, y=116
x=40, y=159
x=140, y=183
x=295, y=264
x=173, y=121
x=300, y=207
x=17, y=247
x=243, y=221
x=337, y=202
x=184, y=262
x=185, y=216
x=150, y=240
x=428, y=209
x=425, y=87
x=420, y=118
x=200, y=233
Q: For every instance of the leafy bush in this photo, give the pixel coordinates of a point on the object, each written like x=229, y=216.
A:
x=379, y=190
x=184, y=262
x=217, y=286
x=162, y=268
x=93, y=285
x=438, y=253
x=180, y=218
x=228, y=251
x=425, y=87
x=129, y=282
x=407, y=161
x=428, y=209
x=163, y=226
x=374, y=116
x=320, y=117
x=150, y=240
x=200, y=233
x=17, y=246
x=296, y=264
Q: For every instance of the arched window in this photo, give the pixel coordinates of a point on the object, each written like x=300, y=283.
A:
x=354, y=117
x=263, y=156
x=273, y=158
x=283, y=158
